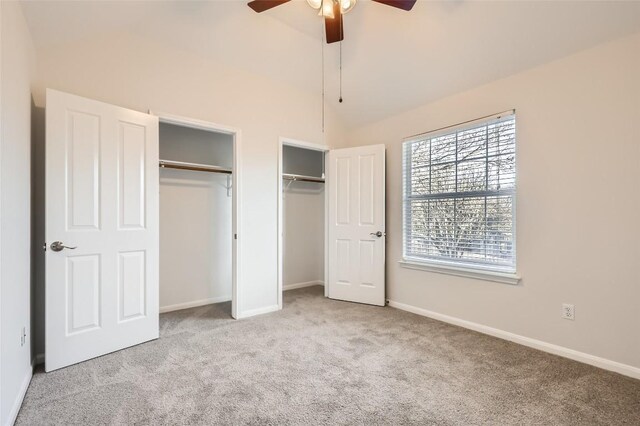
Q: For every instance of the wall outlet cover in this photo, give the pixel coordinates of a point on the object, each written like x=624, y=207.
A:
x=568, y=311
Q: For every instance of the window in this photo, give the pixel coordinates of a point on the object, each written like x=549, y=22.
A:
x=459, y=190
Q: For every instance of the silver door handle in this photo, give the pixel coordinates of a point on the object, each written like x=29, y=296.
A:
x=59, y=246
x=378, y=234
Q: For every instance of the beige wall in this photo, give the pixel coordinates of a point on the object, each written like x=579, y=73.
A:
x=15, y=243
x=578, y=232
x=135, y=73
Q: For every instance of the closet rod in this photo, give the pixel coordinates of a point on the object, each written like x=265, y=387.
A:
x=169, y=164
x=302, y=178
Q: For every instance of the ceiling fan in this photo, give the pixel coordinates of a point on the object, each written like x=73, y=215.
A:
x=331, y=10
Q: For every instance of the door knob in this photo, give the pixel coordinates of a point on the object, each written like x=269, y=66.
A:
x=59, y=246
x=377, y=234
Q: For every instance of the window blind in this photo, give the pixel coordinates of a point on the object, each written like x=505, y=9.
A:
x=459, y=187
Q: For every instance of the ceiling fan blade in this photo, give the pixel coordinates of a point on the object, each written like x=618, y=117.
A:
x=400, y=4
x=333, y=26
x=262, y=5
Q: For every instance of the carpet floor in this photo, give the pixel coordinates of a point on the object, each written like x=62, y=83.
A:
x=320, y=361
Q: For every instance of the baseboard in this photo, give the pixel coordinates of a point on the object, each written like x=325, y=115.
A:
x=194, y=304
x=585, y=358
x=294, y=286
x=13, y=414
x=259, y=311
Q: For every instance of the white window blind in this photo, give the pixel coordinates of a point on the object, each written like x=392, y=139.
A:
x=459, y=191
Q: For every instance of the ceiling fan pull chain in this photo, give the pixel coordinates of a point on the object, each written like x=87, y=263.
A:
x=340, y=99
x=322, y=73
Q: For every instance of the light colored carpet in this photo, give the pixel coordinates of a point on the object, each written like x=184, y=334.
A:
x=326, y=362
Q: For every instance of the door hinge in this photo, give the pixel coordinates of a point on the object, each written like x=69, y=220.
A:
x=235, y=236
x=44, y=246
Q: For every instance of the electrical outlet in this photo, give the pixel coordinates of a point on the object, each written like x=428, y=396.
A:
x=568, y=311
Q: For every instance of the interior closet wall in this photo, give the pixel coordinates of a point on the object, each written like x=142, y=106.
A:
x=303, y=219
x=195, y=219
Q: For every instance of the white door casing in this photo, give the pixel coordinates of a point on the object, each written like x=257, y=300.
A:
x=102, y=190
x=356, y=224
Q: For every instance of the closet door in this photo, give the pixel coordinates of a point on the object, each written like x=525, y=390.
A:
x=101, y=229
x=357, y=224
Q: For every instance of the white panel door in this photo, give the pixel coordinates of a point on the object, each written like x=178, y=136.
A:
x=356, y=224
x=101, y=229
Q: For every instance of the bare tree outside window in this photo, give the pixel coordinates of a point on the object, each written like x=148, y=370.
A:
x=459, y=193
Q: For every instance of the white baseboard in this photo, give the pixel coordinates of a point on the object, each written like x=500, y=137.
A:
x=194, y=304
x=259, y=311
x=596, y=361
x=13, y=414
x=301, y=285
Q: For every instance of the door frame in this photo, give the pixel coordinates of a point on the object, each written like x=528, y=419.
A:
x=236, y=186
x=282, y=141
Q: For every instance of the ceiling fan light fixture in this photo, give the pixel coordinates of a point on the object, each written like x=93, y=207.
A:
x=327, y=9
x=315, y=4
x=347, y=5
x=331, y=11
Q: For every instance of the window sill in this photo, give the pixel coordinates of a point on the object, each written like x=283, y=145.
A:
x=459, y=271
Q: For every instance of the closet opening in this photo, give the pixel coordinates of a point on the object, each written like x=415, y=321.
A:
x=198, y=215
x=301, y=216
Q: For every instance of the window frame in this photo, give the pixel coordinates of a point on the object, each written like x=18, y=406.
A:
x=498, y=273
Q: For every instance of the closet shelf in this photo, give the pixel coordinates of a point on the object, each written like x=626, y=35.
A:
x=169, y=164
x=302, y=178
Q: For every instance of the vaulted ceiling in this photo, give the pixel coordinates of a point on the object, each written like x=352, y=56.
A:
x=392, y=60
